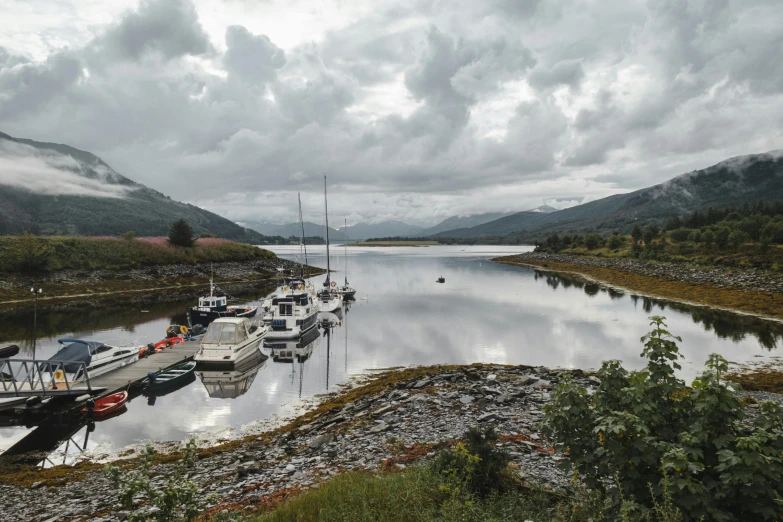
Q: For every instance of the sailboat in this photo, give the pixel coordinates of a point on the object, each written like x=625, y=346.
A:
x=295, y=310
x=329, y=298
x=346, y=290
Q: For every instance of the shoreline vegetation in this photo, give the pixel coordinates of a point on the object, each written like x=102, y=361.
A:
x=460, y=442
x=95, y=271
x=666, y=281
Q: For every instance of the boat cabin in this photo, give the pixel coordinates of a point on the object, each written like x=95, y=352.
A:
x=212, y=303
x=229, y=331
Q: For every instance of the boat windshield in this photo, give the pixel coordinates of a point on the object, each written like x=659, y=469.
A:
x=224, y=333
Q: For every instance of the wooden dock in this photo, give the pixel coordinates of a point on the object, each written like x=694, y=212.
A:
x=136, y=372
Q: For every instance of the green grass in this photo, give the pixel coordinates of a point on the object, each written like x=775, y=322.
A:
x=35, y=254
x=417, y=494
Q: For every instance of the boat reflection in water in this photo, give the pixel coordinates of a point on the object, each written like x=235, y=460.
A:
x=230, y=384
x=291, y=350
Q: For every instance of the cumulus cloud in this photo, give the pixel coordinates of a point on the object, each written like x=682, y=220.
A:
x=416, y=111
x=54, y=174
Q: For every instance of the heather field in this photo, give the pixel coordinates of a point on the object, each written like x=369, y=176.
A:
x=35, y=254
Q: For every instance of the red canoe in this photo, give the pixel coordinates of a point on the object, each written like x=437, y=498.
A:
x=108, y=404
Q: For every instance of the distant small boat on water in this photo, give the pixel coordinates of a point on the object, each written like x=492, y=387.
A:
x=441, y=279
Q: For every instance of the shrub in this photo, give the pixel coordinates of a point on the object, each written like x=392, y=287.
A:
x=680, y=235
x=593, y=241
x=737, y=238
x=130, y=235
x=616, y=241
x=722, y=237
x=180, y=234
x=29, y=253
x=708, y=238
x=476, y=463
x=645, y=436
x=175, y=500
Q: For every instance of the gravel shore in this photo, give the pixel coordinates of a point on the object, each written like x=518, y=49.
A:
x=147, y=285
x=717, y=277
x=390, y=428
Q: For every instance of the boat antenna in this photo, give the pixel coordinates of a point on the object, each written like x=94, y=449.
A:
x=326, y=212
x=211, y=279
x=303, y=241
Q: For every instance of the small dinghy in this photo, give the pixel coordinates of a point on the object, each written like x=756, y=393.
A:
x=9, y=351
x=441, y=280
x=170, y=378
x=106, y=405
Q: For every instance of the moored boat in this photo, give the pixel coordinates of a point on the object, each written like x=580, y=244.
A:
x=106, y=405
x=229, y=340
x=345, y=290
x=97, y=357
x=214, y=306
x=293, y=313
x=9, y=351
x=170, y=378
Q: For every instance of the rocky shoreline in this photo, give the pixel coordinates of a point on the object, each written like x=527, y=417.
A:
x=756, y=280
x=395, y=420
x=67, y=289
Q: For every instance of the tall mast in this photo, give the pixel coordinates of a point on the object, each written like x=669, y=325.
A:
x=303, y=242
x=211, y=279
x=345, y=247
x=326, y=211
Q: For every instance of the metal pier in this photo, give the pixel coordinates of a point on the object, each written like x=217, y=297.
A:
x=33, y=378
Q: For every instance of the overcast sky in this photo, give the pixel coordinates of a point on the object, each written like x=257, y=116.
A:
x=415, y=109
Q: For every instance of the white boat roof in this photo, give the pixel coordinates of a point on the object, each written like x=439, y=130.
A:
x=232, y=320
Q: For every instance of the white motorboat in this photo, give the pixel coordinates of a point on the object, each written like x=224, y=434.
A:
x=97, y=357
x=229, y=340
x=292, y=313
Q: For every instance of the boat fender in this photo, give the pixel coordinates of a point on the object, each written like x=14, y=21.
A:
x=152, y=376
x=90, y=405
x=183, y=329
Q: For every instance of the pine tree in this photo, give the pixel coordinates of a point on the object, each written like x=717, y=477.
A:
x=180, y=234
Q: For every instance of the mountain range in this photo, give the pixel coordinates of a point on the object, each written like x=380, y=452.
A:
x=731, y=182
x=54, y=189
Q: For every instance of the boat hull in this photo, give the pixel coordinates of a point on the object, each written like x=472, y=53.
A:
x=290, y=329
x=204, y=318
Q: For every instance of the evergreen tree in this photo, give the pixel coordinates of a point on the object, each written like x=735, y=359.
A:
x=180, y=234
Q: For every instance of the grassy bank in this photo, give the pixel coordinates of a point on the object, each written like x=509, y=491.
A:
x=746, y=301
x=393, y=243
x=41, y=254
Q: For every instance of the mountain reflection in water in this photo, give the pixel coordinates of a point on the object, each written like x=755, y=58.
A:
x=485, y=312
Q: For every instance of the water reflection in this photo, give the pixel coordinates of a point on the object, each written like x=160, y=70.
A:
x=725, y=324
x=233, y=383
x=485, y=312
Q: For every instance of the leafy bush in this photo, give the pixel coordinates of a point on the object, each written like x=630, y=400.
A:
x=27, y=253
x=644, y=435
x=680, y=235
x=593, y=241
x=616, y=241
x=176, y=499
x=180, y=234
x=476, y=463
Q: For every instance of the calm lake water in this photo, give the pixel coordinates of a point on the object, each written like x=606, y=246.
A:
x=485, y=312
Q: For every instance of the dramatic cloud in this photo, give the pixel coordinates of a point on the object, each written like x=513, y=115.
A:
x=416, y=111
x=52, y=173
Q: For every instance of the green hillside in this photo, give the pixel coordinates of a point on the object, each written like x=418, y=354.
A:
x=731, y=182
x=146, y=211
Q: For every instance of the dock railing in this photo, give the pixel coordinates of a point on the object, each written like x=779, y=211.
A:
x=27, y=378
